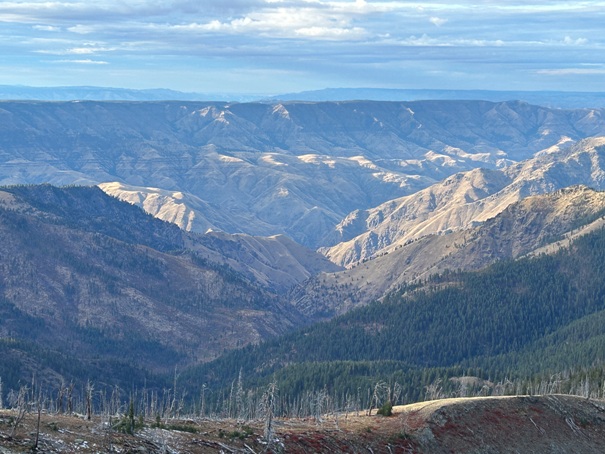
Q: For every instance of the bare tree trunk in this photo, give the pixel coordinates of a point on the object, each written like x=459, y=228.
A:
x=268, y=407
x=21, y=409
x=239, y=397
x=70, y=402
x=174, y=401
x=35, y=448
x=115, y=401
x=203, y=401
x=89, y=391
x=230, y=411
x=60, y=396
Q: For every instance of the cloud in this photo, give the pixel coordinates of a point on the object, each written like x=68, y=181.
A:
x=571, y=71
x=437, y=21
x=304, y=21
x=331, y=33
x=427, y=40
x=83, y=62
x=77, y=51
x=574, y=42
x=328, y=41
x=46, y=28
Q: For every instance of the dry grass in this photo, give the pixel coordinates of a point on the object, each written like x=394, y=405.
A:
x=488, y=424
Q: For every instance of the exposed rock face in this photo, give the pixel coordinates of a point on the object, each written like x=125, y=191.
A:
x=465, y=199
x=266, y=169
x=521, y=228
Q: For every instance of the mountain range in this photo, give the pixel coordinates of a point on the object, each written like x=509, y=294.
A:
x=298, y=169
x=466, y=199
x=184, y=230
x=555, y=99
x=533, y=225
x=558, y=99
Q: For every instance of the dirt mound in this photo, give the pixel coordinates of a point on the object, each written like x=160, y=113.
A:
x=553, y=424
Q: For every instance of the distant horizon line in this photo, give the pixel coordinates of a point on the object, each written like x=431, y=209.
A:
x=90, y=93
x=465, y=90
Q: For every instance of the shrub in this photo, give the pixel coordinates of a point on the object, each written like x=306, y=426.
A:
x=386, y=409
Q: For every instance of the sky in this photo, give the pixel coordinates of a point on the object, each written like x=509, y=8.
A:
x=281, y=46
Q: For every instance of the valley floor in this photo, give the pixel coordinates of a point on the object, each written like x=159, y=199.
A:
x=528, y=424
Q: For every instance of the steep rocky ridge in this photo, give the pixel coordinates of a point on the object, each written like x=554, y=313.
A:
x=264, y=169
x=522, y=228
x=465, y=199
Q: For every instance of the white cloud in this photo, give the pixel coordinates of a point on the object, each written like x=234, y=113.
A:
x=571, y=71
x=437, y=21
x=77, y=51
x=325, y=39
x=84, y=62
x=568, y=40
x=46, y=28
x=281, y=22
x=427, y=40
x=331, y=33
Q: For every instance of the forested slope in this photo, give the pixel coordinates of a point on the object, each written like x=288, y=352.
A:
x=496, y=322
x=91, y=287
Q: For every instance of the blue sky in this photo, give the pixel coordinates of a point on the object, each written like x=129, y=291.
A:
x=277, y=46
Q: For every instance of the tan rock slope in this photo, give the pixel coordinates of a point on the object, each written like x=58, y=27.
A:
x=525, y=227
x=466, y=199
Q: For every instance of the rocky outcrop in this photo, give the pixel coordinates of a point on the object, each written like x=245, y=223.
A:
x=467, y=199
x=537, y=223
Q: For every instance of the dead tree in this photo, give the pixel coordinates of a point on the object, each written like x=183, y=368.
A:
x=397, y=390
x=70, y=402
x=320, y=404
x=203, y=401
x=21, y=408
x=61, y=396
x=268, y=409
x=89, y=390
x=173, y=402
x=239, y=398
x=39, y=403
x=114, y=404
x=434, y=390
x=377, y=396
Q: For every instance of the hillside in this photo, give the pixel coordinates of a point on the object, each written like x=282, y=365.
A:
x=529, y=424
x=514, y=319
x=554, y=423
x=525, y=227
x=276, y=262
x=89, y=282
x=294, y=168
x=466, y=199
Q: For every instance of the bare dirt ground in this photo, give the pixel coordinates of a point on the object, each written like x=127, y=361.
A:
x=523, y=424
